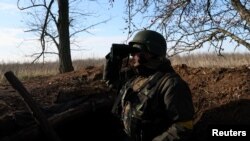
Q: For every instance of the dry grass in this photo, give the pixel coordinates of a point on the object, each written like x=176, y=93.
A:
x=26, y=71
x=213, y=60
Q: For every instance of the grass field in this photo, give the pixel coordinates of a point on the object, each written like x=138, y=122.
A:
x=26, y=71
x=213, y=60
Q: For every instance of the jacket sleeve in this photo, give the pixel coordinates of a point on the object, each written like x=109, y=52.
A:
x=179, y=109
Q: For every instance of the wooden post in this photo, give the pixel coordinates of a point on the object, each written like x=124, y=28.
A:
x=36, y=111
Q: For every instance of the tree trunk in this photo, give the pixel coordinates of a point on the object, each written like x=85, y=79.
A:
x=65, y=61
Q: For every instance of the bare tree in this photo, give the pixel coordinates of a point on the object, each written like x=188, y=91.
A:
x=193, y=24
x=51, y=22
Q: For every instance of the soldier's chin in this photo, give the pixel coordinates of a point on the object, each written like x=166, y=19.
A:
x=137, y=64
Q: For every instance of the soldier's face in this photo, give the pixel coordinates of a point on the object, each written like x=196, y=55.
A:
x=140, y=58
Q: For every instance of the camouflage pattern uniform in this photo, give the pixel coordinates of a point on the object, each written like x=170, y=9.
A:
x=157, y=105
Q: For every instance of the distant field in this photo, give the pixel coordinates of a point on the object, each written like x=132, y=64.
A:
x=26, y=70
x=212, y=60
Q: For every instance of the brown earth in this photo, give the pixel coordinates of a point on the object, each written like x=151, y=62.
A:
x=220, y=96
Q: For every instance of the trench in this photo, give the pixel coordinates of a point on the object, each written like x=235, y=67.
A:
x=93, y=126
x=87, y=122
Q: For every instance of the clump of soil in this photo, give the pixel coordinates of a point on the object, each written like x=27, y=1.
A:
x=220, y=96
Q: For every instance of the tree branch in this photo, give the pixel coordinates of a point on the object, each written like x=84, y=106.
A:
x=28, y=7
x=45, y=22
x=236, y=38
x=85, y=29
x=244, y=13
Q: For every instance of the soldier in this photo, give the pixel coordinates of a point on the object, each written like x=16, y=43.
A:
x=155, y=103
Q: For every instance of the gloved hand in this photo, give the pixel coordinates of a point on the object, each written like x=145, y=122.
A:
x=111, y=71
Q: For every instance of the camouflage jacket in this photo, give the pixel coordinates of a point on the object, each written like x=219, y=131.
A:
x=157, y=107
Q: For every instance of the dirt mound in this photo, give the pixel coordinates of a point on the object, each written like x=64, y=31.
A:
x=213, y=87
x=220, y=95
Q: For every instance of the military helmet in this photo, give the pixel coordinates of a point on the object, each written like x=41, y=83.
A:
x=152, y=41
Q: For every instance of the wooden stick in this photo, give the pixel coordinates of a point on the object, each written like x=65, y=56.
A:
x=36, y=111
x=77, y=111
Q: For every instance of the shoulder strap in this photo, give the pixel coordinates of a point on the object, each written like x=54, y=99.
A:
x=160, y=82
x=153, y=87
x=117, y=102
x=151, y=81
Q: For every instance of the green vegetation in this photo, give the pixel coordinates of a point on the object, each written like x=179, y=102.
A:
x=26, y=71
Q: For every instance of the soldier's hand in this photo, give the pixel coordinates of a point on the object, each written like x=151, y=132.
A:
x=111, y=71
